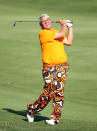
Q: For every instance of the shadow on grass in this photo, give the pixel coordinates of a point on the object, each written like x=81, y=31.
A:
x=37, y=116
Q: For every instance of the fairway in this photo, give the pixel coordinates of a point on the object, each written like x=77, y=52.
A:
x=21, y=79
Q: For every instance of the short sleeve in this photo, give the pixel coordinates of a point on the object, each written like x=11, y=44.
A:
x=47, y=36
x=61, y=39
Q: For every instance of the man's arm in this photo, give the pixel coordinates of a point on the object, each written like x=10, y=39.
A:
x=69, y=39
x=62, y=32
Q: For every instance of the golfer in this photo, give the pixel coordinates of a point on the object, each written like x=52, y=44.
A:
x=55, y=67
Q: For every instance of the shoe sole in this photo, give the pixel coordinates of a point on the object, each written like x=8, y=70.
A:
x=49, y=123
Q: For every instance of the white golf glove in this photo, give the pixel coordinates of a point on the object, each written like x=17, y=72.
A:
x=69, y=23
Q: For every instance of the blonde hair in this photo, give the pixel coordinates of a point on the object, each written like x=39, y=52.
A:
x=43, y=16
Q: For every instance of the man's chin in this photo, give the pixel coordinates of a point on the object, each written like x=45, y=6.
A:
x=48, y=28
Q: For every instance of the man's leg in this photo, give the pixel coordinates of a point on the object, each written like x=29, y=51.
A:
x=58, y=101
x=42, y=101
x=44, y=98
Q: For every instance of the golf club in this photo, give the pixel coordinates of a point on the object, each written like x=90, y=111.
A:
x=36, y=21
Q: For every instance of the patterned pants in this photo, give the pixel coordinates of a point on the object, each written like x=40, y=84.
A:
x=55, y=77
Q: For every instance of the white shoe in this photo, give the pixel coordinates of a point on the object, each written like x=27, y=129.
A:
x=30, y=118
x=52, y=122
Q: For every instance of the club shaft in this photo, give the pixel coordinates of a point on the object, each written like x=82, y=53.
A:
x=37, y=21
x=34, y=21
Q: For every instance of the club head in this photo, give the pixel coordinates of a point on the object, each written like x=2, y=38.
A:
x=14, y=24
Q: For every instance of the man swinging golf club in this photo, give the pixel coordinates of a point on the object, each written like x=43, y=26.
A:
x=55, y=68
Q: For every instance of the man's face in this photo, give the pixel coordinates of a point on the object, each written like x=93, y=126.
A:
x=46, y=23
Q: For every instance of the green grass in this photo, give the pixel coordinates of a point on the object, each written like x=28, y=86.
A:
x=21, y=80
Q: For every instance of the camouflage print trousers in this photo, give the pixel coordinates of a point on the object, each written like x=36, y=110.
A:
x=55, y=77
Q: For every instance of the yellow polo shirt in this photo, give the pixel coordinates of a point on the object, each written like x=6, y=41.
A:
x=52, y=50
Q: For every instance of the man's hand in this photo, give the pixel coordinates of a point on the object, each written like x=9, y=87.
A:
x=65, y=22
x=69, y=23
x=62, y=22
